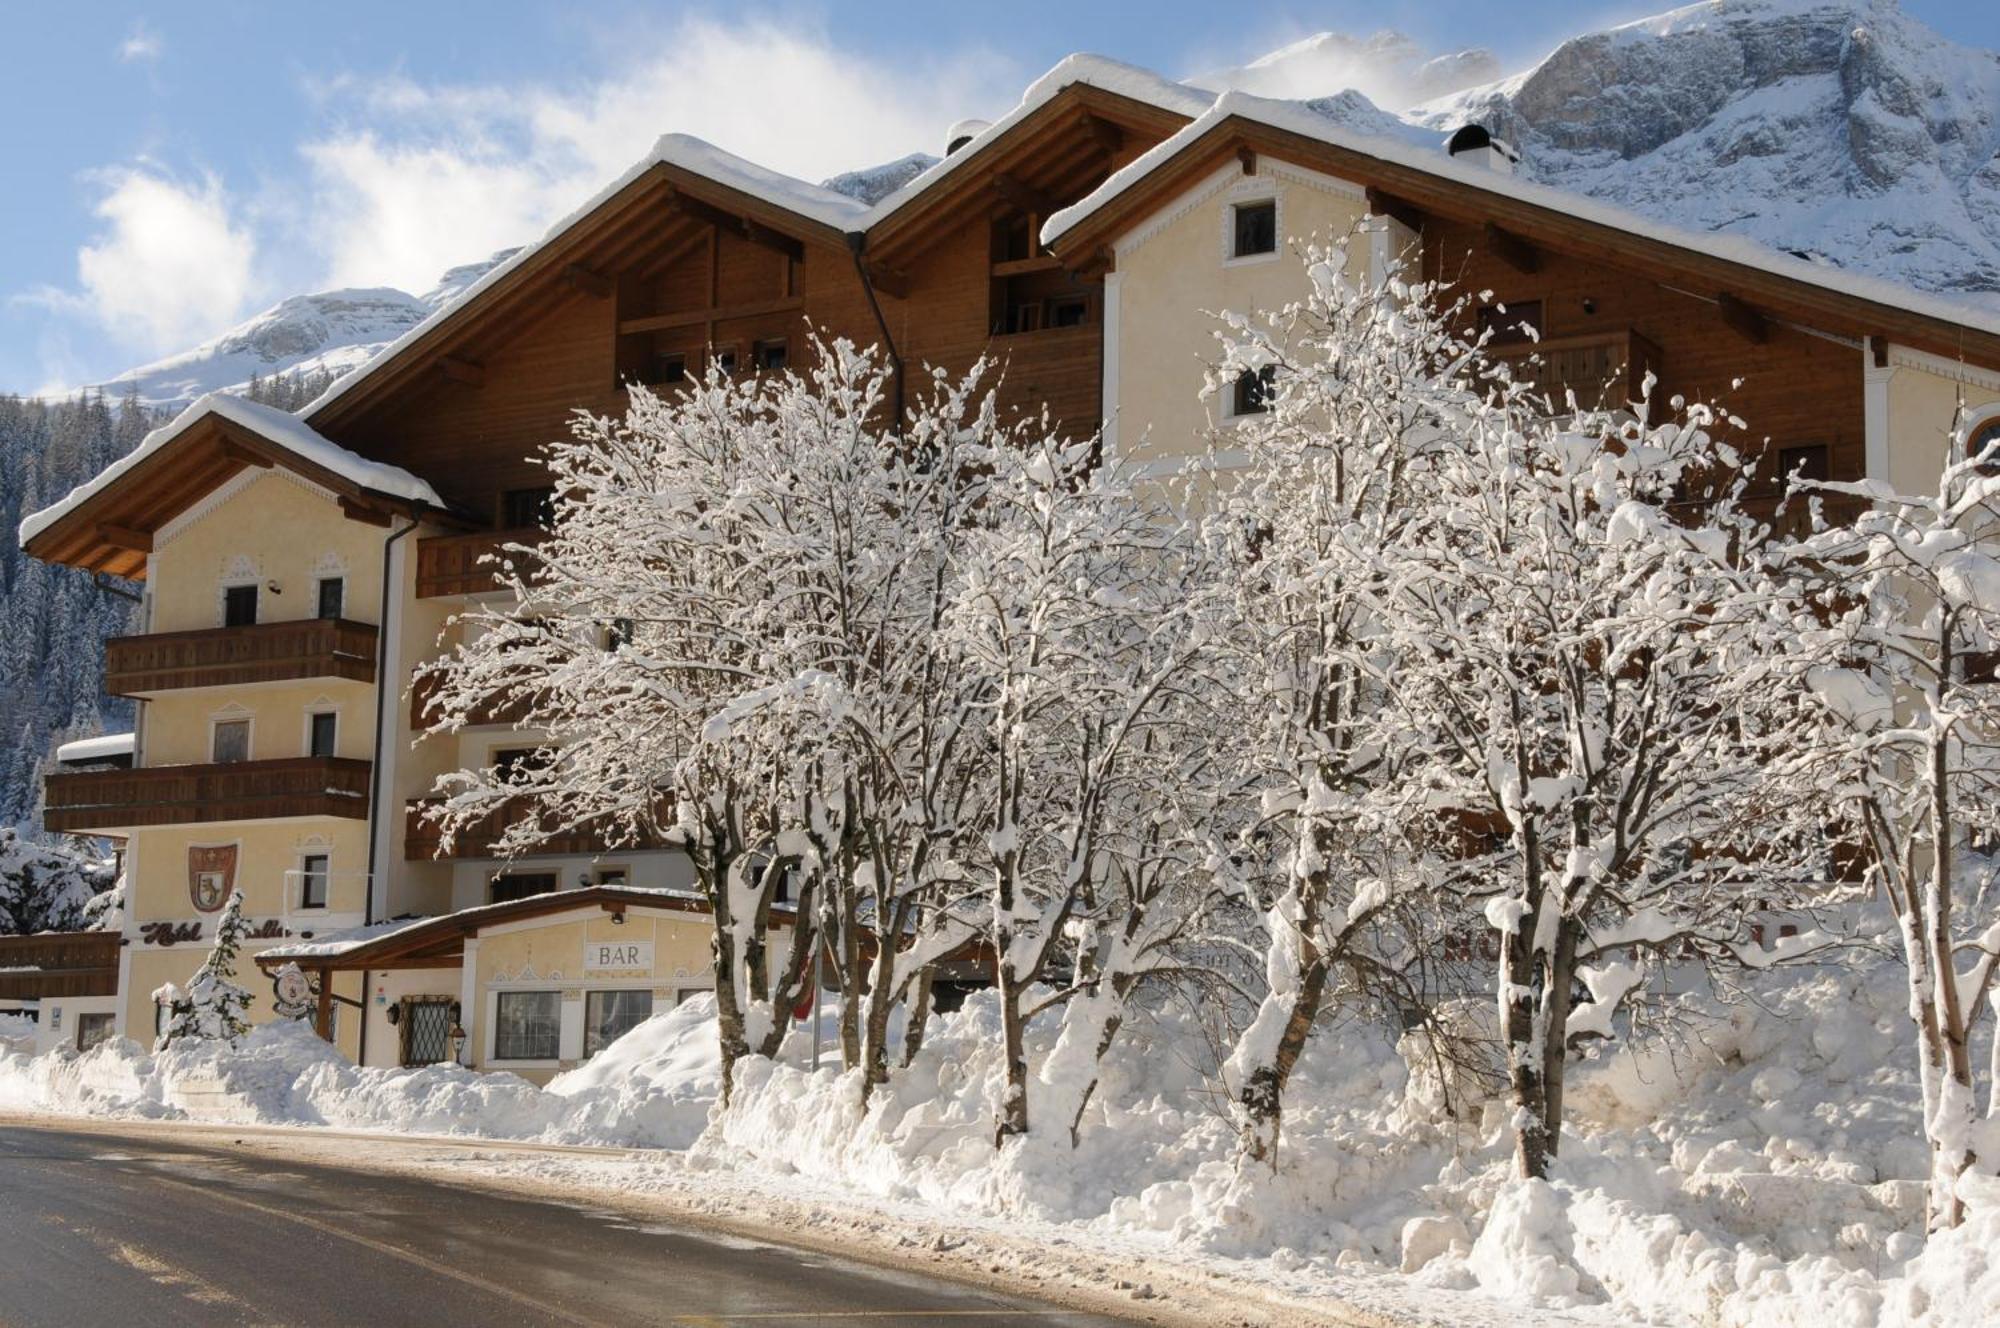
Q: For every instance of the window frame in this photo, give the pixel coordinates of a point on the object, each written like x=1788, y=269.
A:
x=591, y=1000
x=231, y=588
x=1982, y=434
x=313, y=717
x=494, y=896
x=495, y=1046
x=306, y=876
x=1232, y=406
x=1263, y=199
x=763, y=345
x=216, y=723
x=89, y=1018
x=320, y=584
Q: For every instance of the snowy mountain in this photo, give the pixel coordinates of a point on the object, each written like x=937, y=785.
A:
x=331, y=330
x=1841, y=129
x=1387, y=68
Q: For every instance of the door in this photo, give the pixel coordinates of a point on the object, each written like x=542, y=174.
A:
x=426, y=1027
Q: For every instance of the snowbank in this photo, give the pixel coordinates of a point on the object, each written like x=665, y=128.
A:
x=1763, y=1171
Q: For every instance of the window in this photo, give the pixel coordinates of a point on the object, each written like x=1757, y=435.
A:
x=725, y=359
x=521, y=508
x=522, y=885
x=1069, y=311
x=321, y=729
x=1983, y=445
x=613, y=876
x=1515, y=321
x=618, y=632
x=1804, y=463
x=1256, y=229
x=231, y=741
x=516, y=765
x=667, y=367
x=1025, y=317
x=92, y=1029
x=772, y=355
x=312, y=880
x=239, y=606
x=527, y=1026
x=610, y=1015
x=332, y=596
x=1979, y=667
x=1252, y=394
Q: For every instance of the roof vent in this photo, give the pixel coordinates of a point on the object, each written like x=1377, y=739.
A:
x=1475, y=145
x=962, y=133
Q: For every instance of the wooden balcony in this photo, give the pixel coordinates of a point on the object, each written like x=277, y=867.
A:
x=423, y=712
x=61, y=963
x=231, y=656
x=422, y=841
x=456, y=564
x=1058, y=367
x=105, y=800
x=1604, y=370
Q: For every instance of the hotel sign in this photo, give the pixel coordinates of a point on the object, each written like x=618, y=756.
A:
x=617, y=956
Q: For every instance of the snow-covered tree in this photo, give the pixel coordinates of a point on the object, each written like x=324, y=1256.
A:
x=1356, y=379
x=1885, y=721
x=44, y=887
x=211, y=1005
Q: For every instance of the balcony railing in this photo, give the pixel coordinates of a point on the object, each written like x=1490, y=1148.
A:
x=422, y=840
x=231, y=656
x=1057, y=367
x=77, y=963
x=423, y=707
x=456, y=564
x=1604, y=370
x=109, y=800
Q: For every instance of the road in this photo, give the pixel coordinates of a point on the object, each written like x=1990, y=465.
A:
x=100, y=1228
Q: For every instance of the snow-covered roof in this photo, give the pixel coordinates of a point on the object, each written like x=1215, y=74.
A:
x=335, y=943
x=1084, y=69
x=279, y=428
x=101, y=748
x=812, y=202
x=1294, y=117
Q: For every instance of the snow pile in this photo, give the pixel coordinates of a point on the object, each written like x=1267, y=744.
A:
x=1765, y=1170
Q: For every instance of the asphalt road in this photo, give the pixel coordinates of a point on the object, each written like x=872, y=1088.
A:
x=118, y=1229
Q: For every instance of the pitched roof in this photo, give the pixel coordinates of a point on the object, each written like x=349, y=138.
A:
x=130, y=498
x=1292, y=128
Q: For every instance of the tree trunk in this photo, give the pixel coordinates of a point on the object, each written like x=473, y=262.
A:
x=1261, y=1096
x=1520, y=991
x=917, y=1012
x=1556, y=1002
x=1014, y=1105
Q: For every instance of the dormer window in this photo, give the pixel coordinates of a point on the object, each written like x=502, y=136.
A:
x=1254, y=228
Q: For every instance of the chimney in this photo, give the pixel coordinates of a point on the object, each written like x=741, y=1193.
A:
x=962, y=133
x=1475, y=145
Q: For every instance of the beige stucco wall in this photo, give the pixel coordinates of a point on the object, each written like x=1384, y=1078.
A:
x=179, y=723
x=277, y=529
x=157, y=870
x=1174, y=274
x=1924, y=397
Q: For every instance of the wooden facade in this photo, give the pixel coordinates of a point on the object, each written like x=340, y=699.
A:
x=233, y=656
x=57, y=964
x=102, y=800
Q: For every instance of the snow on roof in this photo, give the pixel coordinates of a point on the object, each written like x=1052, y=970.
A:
x=1096, y=71
x=811, y=201
x=335, y=943
x=279, y=427
x=102, y=747
x=1299, y=119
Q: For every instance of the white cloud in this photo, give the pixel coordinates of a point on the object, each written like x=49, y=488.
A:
x=422, y=177
x=141, y=43
x=171, y=266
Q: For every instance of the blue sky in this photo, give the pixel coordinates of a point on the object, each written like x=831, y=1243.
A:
x=172, y=170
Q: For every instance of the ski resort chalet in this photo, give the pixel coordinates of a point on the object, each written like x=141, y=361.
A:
x=298, y=569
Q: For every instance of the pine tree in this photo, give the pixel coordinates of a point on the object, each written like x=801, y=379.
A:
x=212, y=1005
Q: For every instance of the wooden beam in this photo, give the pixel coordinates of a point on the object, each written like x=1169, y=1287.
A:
x=323, y=1015
x=890, y=281
x=741, y=227
x=1021, y=196
x=1512, y=250
x=1743, y=320
x=243, y=456
x=1247, y=158
x=1879, y=344
x=1395, y=209
x=718, y=314
x=1015, y=267
x=125, y=537
x=1108, y=137
x=594, y=284
x=354, y=509
x=462, y=370
x=1102, y=260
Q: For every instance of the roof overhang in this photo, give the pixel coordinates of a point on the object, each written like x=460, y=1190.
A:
x=1774, y=284
x=108, y=525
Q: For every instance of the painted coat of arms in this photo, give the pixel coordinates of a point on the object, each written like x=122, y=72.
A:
x=211, y=876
